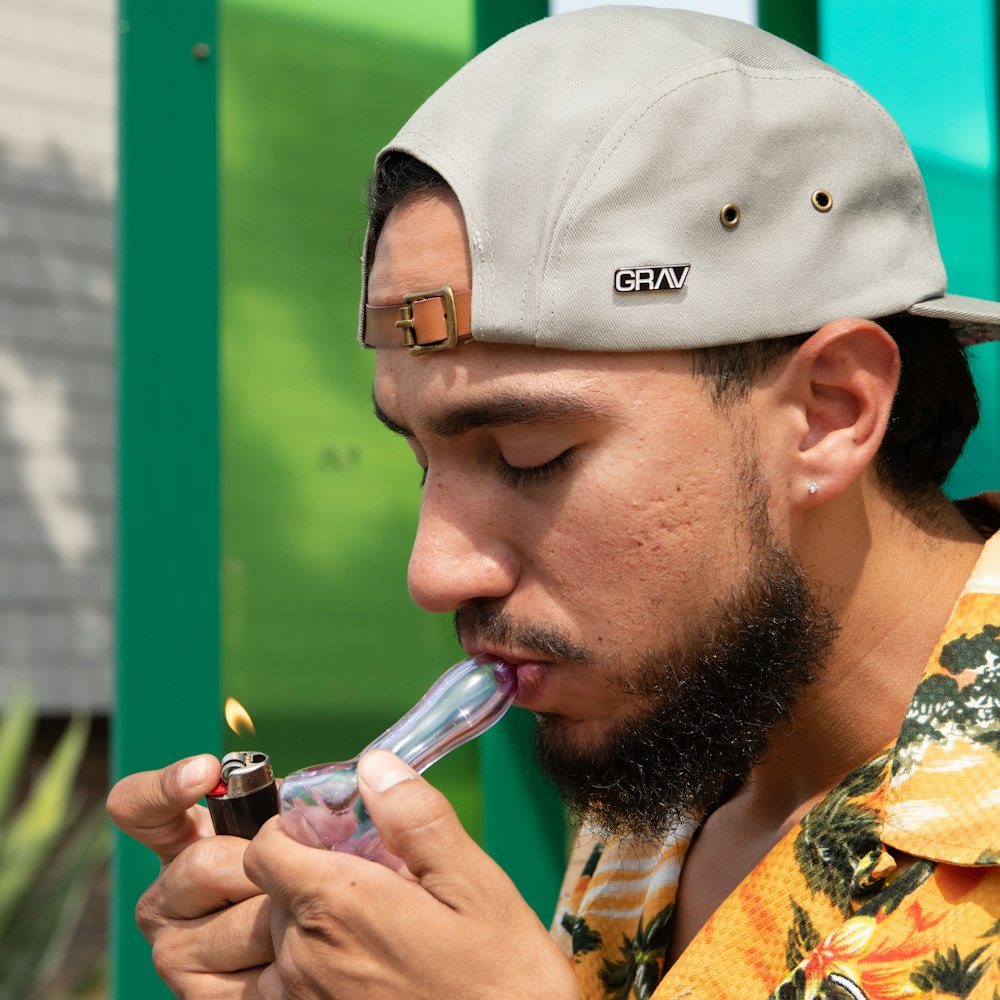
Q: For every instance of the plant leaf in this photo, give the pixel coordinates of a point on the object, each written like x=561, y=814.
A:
x=37, y=943
x=37, y=827
x=16, y=728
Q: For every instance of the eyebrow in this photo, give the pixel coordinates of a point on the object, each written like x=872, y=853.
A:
x=503, y=409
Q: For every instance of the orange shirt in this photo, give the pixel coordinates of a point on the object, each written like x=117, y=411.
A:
x=888, y=888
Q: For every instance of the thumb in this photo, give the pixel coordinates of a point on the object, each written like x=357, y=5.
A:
x=156, y=807
x=417, y=823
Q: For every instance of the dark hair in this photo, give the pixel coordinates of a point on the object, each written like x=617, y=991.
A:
x=395, y=178
x=934, y=411
x=936, y=404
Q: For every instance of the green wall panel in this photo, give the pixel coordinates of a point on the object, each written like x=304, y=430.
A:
x=795, y=20
x=496, y=18
x=321, y=642
x=168, y=593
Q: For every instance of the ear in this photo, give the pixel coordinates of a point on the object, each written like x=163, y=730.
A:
x=844, y=379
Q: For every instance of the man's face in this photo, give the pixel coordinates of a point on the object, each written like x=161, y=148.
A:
x=595, y=519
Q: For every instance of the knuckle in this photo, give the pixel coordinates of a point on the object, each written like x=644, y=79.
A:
x=269, y=985
x=258, y=922
x=148, y=913
x=166, y=837
x=423, y=815
x=120, y=803
x=252, y=866
x=291, y=973
x=418, y=794
x=211, y=860
x=165, y=961
x=166, y=785
x=317, y=920
x=114, y=804
x=415, y=830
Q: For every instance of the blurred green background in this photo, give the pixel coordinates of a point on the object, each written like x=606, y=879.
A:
x=321, y=642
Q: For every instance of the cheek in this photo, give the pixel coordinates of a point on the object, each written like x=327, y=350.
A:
x=642, y=542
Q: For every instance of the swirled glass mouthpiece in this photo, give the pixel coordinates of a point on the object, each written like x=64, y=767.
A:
x=321, y=806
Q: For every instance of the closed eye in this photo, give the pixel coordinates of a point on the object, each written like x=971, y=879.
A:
x=531, y=475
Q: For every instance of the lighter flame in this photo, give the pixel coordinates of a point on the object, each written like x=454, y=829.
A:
x=238, y=718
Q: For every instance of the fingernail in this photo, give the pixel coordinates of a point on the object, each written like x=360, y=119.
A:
x=194, y=773
x=381, y=770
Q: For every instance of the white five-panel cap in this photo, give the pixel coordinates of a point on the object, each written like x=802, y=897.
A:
x=636, y=178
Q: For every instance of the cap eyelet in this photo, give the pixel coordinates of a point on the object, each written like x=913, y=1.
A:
x=729, y=216
x=822, y=200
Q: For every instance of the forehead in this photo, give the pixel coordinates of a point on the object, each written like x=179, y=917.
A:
x=422, y=245
x=480, y=384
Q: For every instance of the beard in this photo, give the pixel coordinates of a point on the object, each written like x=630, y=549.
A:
x=705, y=708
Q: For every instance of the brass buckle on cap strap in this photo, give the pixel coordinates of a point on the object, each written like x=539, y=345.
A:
x=405, y=321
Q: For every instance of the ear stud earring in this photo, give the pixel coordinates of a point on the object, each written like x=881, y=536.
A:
x=812, y=487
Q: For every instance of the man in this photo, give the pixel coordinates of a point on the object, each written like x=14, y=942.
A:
x=658, y=308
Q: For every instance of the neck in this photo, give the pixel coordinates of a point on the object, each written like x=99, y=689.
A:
x=891, y=580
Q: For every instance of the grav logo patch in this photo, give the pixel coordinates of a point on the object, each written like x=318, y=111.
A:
x=651, y=279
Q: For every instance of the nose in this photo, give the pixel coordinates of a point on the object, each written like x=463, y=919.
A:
x=458, y=553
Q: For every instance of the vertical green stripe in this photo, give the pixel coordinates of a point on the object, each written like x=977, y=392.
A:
x=797, y=21
x=496, y=18
x=168, y=535
x=523, y=818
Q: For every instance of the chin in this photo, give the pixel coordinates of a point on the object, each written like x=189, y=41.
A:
x=569, y=735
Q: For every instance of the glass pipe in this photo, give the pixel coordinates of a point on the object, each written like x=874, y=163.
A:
x=321, y=806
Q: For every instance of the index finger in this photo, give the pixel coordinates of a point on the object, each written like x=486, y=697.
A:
x=158, y=808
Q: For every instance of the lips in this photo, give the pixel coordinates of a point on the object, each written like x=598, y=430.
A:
x=530, y=681
x=530, y=673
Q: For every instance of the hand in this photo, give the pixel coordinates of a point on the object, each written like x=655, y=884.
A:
x=450, y=925
x=207, y=922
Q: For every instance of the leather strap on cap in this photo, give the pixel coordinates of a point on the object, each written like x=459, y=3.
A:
x=423, y=321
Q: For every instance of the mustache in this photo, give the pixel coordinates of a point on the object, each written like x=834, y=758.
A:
x=486, y=621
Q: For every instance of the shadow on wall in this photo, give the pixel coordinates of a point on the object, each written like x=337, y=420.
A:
x=56, y=431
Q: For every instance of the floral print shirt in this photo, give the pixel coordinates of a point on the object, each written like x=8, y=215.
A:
x=888, y=888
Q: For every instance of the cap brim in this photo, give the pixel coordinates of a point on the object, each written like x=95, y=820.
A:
x=975, y=320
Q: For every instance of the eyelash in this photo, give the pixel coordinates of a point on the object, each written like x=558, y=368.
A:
x=531, y=475
x=526, y=475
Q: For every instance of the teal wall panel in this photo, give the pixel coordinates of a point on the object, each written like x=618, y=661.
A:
x=935, y=70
